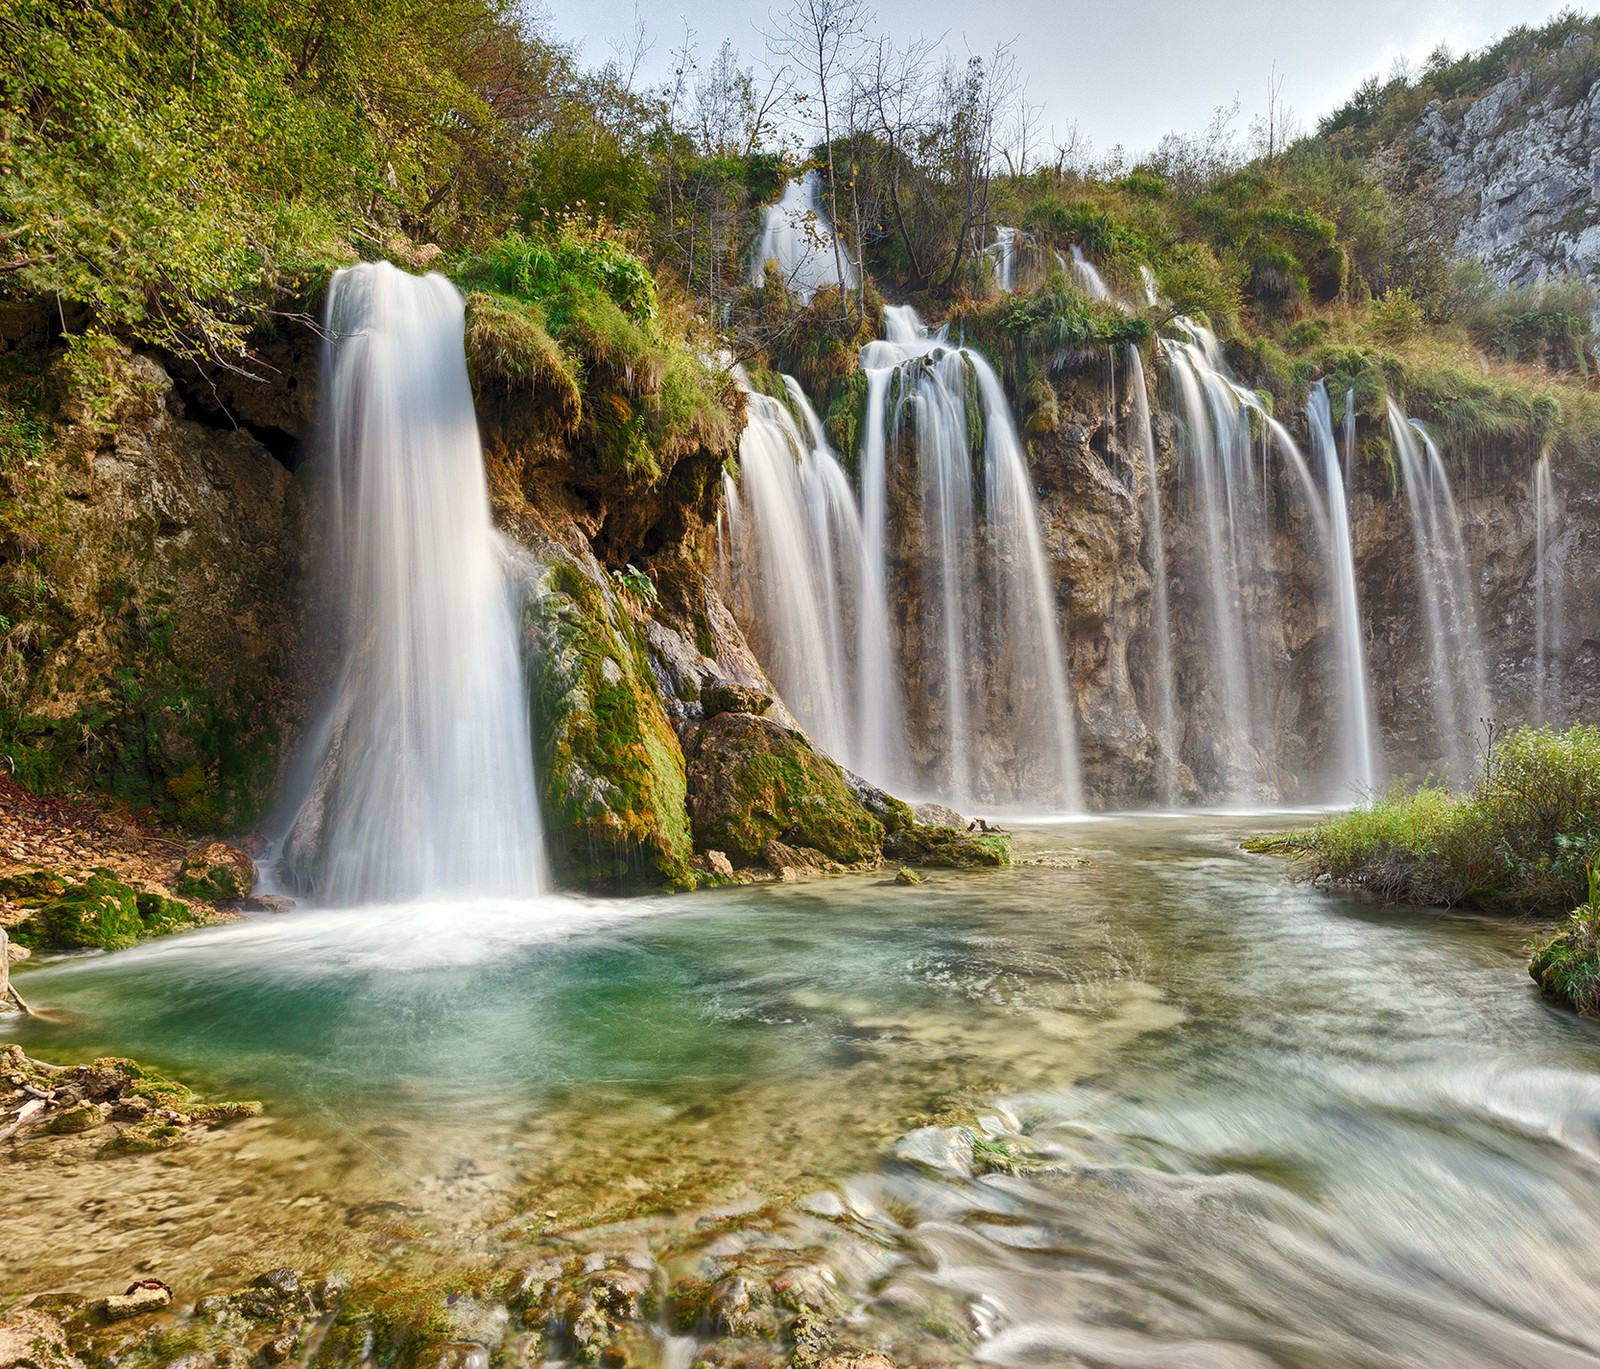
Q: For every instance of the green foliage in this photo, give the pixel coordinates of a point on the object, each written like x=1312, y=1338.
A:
x=1397, y=316
x=1566, y=963
x=560, y=270
x=1523, y=839
x=574, y=319
x=101, y=913
x=1549, y=325
x=175, y=168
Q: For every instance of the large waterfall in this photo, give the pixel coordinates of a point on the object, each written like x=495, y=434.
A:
x=1254, y=504
x=421, y=783
x=954, y=685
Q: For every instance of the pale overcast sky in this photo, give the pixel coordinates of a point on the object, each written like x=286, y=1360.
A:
x=1125, y=72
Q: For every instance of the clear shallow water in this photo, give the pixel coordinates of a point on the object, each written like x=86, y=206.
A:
x=1265, y=1125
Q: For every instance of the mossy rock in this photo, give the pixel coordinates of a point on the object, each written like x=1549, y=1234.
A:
x=144, y=1138
x=948, y=848
x=610, y=764
x=101, y=913
x=32, y=887
x=83, y=1117
x=217, y=873
x=752, y=782
x=727, y=697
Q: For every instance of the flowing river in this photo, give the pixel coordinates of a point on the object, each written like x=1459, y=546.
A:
x=1239, y=1121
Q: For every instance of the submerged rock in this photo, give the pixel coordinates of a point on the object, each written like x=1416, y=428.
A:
x=752, y=782
x=950, y=848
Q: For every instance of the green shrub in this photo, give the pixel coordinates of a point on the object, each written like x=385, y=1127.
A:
x=1566, y=964
x=1522, y=840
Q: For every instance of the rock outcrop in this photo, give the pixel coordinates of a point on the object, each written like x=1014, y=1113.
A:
x=1518, y=169
x=149, y=580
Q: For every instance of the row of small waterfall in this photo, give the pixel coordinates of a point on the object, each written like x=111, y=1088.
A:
x=912, y=621
x=913, y=628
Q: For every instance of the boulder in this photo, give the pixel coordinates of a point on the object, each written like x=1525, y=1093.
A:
x=752, y=782
x=724, y=696
x=216, y=873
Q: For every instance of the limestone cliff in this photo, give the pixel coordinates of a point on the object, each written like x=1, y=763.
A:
x=1517, y=168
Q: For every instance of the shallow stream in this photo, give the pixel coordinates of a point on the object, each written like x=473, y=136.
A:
x=1254, y=1123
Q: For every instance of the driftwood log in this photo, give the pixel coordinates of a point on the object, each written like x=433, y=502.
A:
x=6, y=988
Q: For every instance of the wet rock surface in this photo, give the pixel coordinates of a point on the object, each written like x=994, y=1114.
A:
x=132, y=1109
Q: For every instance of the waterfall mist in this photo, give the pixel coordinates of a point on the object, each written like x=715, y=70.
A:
x=420, y=778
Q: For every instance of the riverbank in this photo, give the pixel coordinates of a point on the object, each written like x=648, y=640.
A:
x=1522, y=840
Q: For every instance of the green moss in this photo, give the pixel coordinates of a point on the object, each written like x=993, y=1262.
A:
x=753, y=781
x=144, y=1138
x=215, y=874
x=83, y=1117
x=101, y=913
x=949, y=847
x=32, y=887
x=610, y=765
x=846, y=415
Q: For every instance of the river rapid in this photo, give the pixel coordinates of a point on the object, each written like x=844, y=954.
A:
x=1223, y=1119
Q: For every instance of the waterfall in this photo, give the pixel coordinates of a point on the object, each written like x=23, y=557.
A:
x=1357, y=775
x=1547, y=595
x=1457, y=669
x=1163, y=689
x=796, y=236
x=424, y=782
x=797, y=558
x=1090, y=280
x=946, y=515
x=980, y=641
x=1003, y=252
x=1227, y=442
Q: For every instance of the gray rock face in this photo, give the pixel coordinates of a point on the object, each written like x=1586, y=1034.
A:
x=1520, y=169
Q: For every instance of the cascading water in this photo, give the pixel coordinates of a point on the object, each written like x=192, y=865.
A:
x=979, y=636
x=800, y=573
x=424, y=783
x=1547, y=593
x=1163, y=691
x=1358, y=770
x=1003, y=252
x=1457, y=671
x=1089, y=279
x=797, y=238
x=1227, y=442
x=973, y=656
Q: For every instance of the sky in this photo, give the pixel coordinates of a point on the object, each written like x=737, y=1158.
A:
x=1125, y=72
